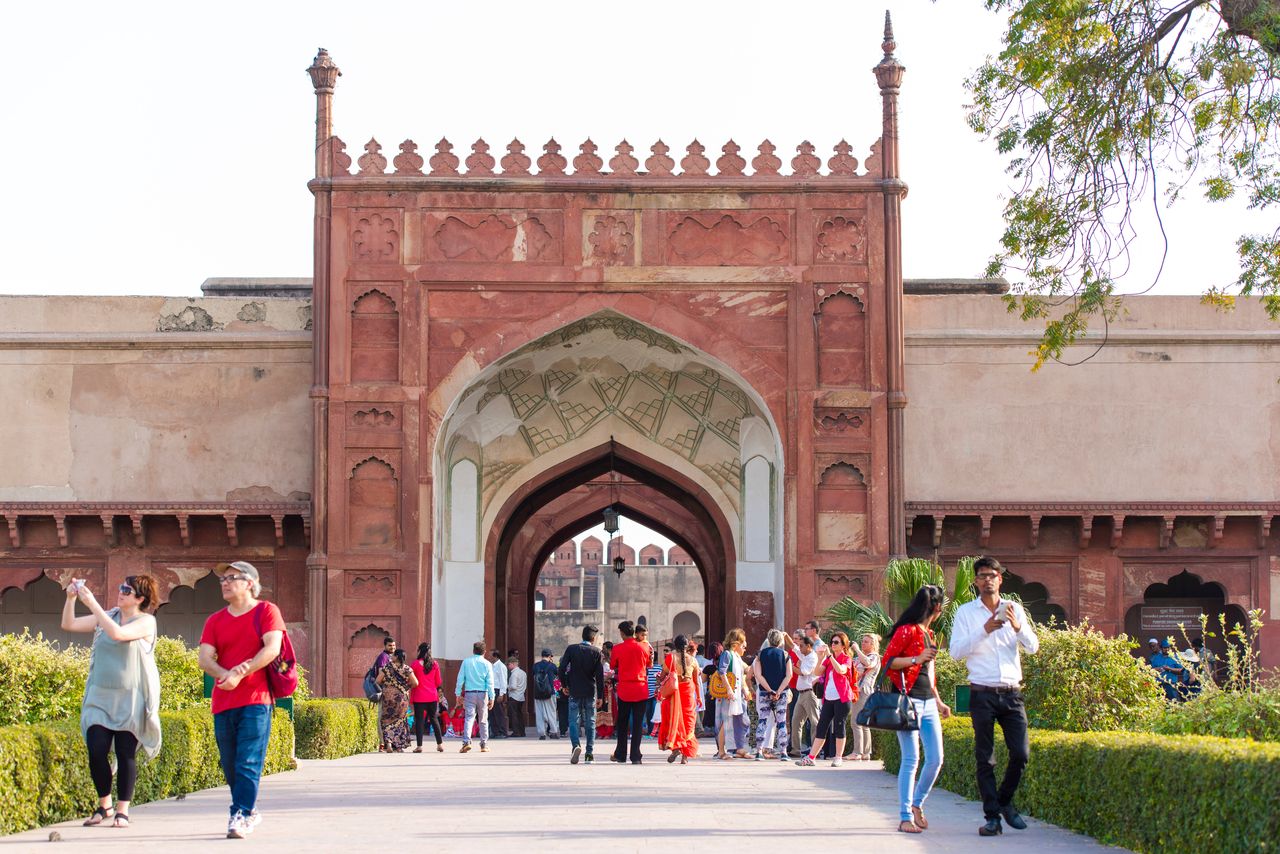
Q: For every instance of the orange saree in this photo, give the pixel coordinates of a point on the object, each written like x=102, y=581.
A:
x=678, y=729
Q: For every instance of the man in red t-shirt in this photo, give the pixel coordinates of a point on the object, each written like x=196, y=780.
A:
x=629, y=662
x=235, y=646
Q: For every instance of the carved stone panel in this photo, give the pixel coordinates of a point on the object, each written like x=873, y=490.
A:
x=840, y=237
x=842, y=334
x=610, y=238
x=375, y=236
x=534, y=237
x=719, y=238
x=841, y=422
x=373, y=501
x=841, y=523
x=373, y=584
x=373, y=416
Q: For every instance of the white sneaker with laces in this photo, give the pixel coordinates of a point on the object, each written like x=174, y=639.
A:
x=237, y=827
x=837, y=762
x=254, y=818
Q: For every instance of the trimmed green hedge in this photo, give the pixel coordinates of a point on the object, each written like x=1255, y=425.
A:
x=44, y=771
x=331, y=729
x=1152, y=793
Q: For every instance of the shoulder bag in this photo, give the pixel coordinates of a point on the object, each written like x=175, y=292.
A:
x=889, y=710
x=282, y=672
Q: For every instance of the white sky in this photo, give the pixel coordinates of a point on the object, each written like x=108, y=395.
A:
x=633, y=534
x=151, y=145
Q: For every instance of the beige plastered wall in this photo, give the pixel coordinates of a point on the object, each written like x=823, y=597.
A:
x=1181, y=404
x=154, y=399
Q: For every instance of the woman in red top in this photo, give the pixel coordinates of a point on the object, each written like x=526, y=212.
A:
x=678, y=727
x=909, y=659
x=837, y=697
x=428, y=705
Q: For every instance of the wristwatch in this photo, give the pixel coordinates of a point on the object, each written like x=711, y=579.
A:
x=913, y=661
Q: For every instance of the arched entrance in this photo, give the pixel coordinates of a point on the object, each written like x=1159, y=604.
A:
x=1181, y=601
x=530, y=447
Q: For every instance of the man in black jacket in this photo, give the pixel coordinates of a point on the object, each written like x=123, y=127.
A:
x=582, y=678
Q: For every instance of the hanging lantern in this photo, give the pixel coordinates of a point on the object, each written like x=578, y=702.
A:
x=619, y=565
x=611, y=520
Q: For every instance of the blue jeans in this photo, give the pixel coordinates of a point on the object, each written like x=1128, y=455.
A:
x=909, y=744
x=582, y=715
x=242, y=735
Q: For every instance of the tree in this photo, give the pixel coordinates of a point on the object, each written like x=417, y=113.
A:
x=1102, y=105
x=902, y=578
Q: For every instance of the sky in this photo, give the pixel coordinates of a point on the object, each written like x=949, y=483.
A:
x=153, y=145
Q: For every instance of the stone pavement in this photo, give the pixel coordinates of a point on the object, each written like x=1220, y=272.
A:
x=524, y=795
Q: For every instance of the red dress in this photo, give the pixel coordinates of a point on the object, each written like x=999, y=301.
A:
x=679, y=727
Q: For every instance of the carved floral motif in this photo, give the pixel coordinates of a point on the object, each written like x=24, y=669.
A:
x=730, y=239
x=587, y=163
x=494, y=237
x=372, y=162
x=480, y=161
x=693, y=162
x=376, y=238
x=841, y=239
x=611, y=240
x=624, y=163
x=373, y=417
x=730, y=163
x=659, y=163
x=408, y=161
x=805, y=164
x=444, y=161
x=515, y=161
x=844, y=163
x=766, y=162
x=551, y=162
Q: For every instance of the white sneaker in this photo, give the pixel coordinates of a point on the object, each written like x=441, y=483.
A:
x=238, y=827
x=254, y=818
x=837, y=762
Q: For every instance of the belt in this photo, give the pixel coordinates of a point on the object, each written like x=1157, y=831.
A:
x=474, y=691
x=996, y=689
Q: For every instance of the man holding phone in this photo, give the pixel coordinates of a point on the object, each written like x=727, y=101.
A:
x=986, y=634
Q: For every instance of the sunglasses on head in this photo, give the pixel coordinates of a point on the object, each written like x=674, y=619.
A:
x=126, y=590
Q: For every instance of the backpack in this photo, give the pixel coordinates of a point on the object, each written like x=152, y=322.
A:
x=282, y=672
x=371, y=689
x=543, y=687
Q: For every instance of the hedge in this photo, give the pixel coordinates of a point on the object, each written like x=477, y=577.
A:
x=44, y=771
x=1151, y=793
x=331, y=729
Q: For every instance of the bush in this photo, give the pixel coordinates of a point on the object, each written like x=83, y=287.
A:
x=1228, y=714
x=1082, y=681
x=1151, y=793
x=38, y=681
x=44, y=772
x=181, y=679
x=331, y=729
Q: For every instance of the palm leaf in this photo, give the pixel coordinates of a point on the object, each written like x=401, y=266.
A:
x=902, y=580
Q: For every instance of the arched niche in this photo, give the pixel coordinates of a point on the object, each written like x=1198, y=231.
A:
x=375, y=339
x=373, y=505
x=1035, y=599
x=184, y=615
x=36, y=607
x=842, y=341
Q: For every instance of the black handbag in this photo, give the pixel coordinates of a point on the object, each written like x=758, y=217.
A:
x=888, y=710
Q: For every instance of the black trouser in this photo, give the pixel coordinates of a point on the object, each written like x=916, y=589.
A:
x=630, y=722
x=515, y=717
x=99, y=740
x=424, y=714
x=562, y=712
x=986, y=709
x=831, y=720
x=498, y=719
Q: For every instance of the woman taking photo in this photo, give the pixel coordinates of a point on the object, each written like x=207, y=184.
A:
x=678, y=727
x=396, y=680
x=837, y=698
x=425, y=697
x=121, y=707
x=866, y=670
x=909, y=657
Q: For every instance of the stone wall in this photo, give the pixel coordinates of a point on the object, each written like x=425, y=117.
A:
x=155, y=399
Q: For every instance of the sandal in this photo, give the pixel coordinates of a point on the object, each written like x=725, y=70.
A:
x=908, y=827
x=920, y=821
x=120, y=820
x=439, y=748
x=98, y=817
x=675, y=754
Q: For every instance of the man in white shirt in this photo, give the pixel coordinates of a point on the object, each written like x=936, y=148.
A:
x=517, y=684
x=498, y=721
x=806, y=709
x=987, y=634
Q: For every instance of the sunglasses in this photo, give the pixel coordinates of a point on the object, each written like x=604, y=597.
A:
x=837, y=642
x=126, y=590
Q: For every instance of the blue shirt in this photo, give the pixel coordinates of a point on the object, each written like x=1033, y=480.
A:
x=476, y=674
x=1162, y=660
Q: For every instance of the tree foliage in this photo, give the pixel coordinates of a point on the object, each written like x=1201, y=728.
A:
x=902, y=578
x=1104, y=105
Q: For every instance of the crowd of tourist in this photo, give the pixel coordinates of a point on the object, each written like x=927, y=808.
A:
x=806, y=693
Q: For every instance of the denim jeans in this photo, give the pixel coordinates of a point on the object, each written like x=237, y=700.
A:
x=909, y=744
x=242, y=734
x=476, y=704
x=582, y=716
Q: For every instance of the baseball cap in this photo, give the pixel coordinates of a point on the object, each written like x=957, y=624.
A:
x=1152, y=640
x=546, y=653
x=243, y=567
x=1164, y=644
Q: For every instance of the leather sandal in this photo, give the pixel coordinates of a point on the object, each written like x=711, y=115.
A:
x=99, y=815
x=908, y=827
x=120, y=820
x=919, y=820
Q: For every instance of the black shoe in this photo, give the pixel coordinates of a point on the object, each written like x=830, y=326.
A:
x=590, y=760
x=542, y=738
x=577, y=754
x=1013, y=817
x=991, y=828
x=636, y=761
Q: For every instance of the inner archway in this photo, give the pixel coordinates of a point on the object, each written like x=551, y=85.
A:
x=1173, y=609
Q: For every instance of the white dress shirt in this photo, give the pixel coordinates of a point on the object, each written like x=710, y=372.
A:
x=807, y=664
x=517, y=685
x=499, y=678
x=992, y=658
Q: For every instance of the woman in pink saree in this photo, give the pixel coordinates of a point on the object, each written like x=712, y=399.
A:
x=678, y=730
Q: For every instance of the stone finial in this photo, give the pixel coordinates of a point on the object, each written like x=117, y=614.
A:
x=730, y=163
x=693, y=162
x=659, y=163
x=480, y=161
x=515, y=161
x=341, y=160
x=324, y=73
x=844, y=163
x=552, y=162
x=805, y=164
x=766, y=162
x=587, y=163
x=408, y=161
x=372, y=162
x=444, y=161
x=889, y=71
x=623, y=163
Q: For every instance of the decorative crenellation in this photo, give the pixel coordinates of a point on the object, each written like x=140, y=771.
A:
x=806, y=164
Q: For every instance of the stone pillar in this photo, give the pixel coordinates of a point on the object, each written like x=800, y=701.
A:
x=324, y=76
x=889, y=75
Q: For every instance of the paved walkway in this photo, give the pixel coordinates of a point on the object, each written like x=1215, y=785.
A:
x=524, y=796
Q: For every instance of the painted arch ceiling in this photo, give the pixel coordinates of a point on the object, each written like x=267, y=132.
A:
x=604, y=370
